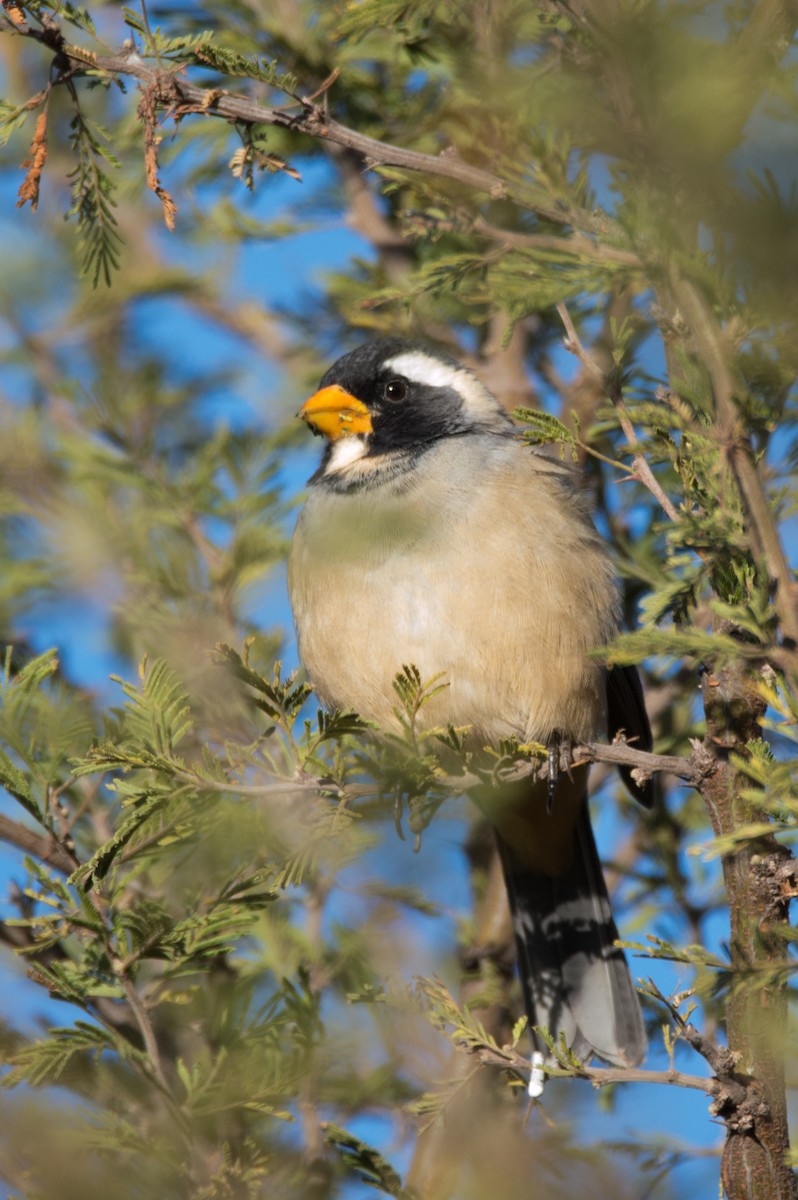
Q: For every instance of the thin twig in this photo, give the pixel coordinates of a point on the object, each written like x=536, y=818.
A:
x=142, y=1019
x=598, y=1076
x=323, y=87
x=603, y=1076
x=641, y=470
x=692, y=769
x=578, y=244
x=710, y=342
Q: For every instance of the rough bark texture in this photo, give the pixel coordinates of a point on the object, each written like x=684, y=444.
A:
x=754, y=1163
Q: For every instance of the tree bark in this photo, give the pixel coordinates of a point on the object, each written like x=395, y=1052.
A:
x=754, y=1164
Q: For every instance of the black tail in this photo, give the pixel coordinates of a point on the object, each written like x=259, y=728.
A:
x=574, y=979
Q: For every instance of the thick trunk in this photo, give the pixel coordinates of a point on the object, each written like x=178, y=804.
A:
x=754, y=1165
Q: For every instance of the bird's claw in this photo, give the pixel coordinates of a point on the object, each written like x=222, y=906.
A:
x=554, y=773
x=560, y=751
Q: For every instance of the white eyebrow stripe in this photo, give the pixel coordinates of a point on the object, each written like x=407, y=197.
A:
x=423, y=368
x=419, y=367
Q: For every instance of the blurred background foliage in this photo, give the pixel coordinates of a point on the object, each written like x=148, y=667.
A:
x=219, y=927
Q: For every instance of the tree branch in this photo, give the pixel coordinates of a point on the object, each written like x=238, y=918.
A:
x=44, y=846
x=693, y=769
x=509, y=1058
x=179, y=97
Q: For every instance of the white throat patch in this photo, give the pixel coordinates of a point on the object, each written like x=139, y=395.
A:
x=345, y=451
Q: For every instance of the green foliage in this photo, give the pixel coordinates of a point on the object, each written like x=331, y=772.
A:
x=46, y=1061
x=93, y=200
x=143, y=911
x=367, y=1164
x=74, y=14
x=12, y=117
x=210, y=880
x=228, y=63
x=545, y=429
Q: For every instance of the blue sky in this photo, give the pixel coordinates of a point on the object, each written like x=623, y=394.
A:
x=287, y=272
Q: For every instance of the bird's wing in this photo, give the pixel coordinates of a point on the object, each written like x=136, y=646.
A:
x=626, y=712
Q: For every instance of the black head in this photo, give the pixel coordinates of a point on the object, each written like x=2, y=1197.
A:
x=396, y=395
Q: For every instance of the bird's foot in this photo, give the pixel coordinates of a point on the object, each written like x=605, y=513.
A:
x=560, y=750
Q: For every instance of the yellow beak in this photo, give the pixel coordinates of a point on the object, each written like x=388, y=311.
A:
x=335, y=413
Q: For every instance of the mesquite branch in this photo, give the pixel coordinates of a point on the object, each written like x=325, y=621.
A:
x=171, y=92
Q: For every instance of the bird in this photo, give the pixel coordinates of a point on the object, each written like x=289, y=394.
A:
x=432, y=535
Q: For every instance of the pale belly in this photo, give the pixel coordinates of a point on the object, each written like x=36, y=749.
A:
x=375, y=591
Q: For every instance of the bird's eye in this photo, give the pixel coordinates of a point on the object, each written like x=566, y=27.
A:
x=395, y=389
